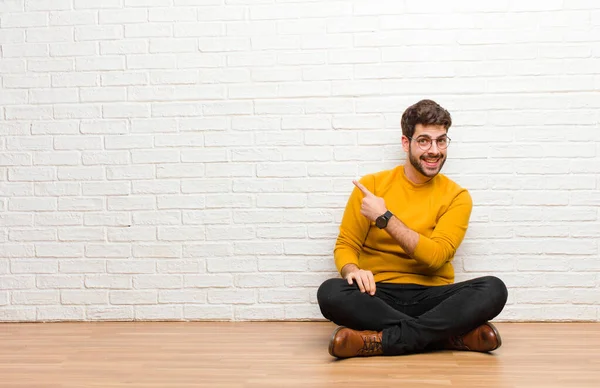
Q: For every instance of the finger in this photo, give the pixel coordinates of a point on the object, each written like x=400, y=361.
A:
x=362, y=188
x=360, y=284
x=372, y=281
x=349, y=278
x=365, y=279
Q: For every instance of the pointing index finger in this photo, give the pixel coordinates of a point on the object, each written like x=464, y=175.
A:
x=362, y=188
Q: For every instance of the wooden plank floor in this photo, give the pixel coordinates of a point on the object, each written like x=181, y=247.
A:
x=281, y=354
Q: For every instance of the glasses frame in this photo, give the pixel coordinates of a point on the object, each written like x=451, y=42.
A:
x=431, y=142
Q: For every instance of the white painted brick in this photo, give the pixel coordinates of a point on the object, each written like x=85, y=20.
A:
x=220, y=233
x=104, y=158
x=303, y=312
x=15, y=159
x=187, y=170
x=16, y=250
x=131, y=203
x=206, y=217
x=28, y=113
x=80, y=111
x=200, y=60
x=282, y=295
x=32, y=204
x=78, y=142
x=257, y=186
x=259, y=313
x=173, y=77
x=205, y=185
x=32, y=234
x=154, y=125
x=16, y=219
x=159, y=251
x=181, y=266
x=72, y=50
x=4, y=298
x=81, y=266
x=130, y=172
x=131, y=267
x=128, y=142
x=208, y=280
x=124, y=78
x=60, y=313
x=17, y=314
x=259, y=281
x=162, y=186
x=17, y=282
x=71, y=18
x=176, y=109
x=80, y=204
x=59, y=281
x=10, y=189
x=23, y=19
x=112, y=250
x=181, y=233
x=108, y=281
x=38, y=143
x=80, y=173
x=35, y=297
x=14, y=97
x=232, y=296
x=19, y=81
x=86, y=233
x=170, y=45
x=156, y=218
x=136, y=233
x=109, y=313
x=229, y=201
x=25, y=50
x=83, y=297
x=208, y=312
x=231, y=265
x=98, y=33
x=182, y=296
x=133, y=297
x=157, y=281
x=204, y=155
x=49, y=34
x=107, y=219
x=154, y=156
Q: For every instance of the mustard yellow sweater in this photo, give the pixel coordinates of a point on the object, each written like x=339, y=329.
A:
x=438, y=210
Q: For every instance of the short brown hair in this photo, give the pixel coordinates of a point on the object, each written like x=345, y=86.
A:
x=425, y=112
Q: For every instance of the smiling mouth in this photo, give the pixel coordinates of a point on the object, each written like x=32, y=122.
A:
x=431, y=162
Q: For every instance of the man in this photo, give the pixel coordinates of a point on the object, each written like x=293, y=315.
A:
x=398, y=236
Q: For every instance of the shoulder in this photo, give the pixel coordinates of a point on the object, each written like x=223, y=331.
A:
x=453, y=190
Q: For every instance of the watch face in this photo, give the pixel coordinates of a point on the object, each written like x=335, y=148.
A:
x=380, y=222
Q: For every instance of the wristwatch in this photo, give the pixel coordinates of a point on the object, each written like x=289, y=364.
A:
x=382, y=221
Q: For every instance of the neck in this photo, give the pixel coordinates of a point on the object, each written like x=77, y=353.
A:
x=414, y=175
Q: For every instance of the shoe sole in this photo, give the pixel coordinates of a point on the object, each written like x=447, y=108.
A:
x=331, y=343
x=497, y=333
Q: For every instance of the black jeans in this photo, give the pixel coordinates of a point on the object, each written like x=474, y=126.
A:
x=413, y=318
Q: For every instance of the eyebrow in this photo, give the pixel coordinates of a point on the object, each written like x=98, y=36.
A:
x=429, y=137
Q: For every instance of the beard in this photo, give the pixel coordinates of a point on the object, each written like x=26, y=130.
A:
x=420, y=166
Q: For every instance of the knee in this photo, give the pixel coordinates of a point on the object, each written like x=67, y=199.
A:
x=328, y=292
x=496, y=289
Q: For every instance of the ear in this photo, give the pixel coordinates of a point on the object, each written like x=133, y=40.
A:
x=405, y=143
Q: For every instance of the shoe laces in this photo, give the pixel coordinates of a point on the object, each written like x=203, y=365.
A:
x=371, y=344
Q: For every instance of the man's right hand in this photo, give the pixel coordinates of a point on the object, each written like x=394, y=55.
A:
x=364, y=279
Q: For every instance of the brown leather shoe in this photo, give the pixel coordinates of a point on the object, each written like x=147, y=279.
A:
x=484, y=338
x=353, y=343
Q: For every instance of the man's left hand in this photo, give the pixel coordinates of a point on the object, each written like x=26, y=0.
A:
x=372, y=206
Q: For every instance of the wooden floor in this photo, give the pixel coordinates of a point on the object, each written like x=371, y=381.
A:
x=278, y=354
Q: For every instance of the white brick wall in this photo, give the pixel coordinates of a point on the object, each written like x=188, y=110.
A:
x=190, y=159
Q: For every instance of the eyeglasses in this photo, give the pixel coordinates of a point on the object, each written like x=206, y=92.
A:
x=424, y=142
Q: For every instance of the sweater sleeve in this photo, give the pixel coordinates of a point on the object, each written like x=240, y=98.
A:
x=353, y=228
x=440, y=247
